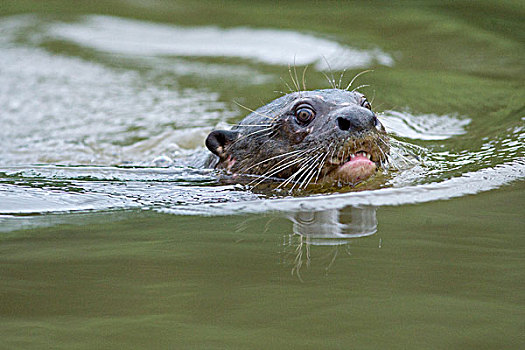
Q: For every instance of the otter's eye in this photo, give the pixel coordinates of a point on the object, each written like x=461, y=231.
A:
x=365, y=103
x=304, y=114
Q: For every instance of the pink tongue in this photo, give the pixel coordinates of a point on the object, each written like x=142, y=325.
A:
x=359, y=159
x=357, y=169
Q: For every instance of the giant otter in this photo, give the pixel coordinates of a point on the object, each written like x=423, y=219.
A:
x=322, y=136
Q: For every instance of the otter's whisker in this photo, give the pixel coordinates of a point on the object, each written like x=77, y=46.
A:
x=294, y=175
x=356, y=76
x=383, y=141
x=247, y=125
x=282, y=167
x=403, y=158
x=277, y=156
x=360, y=86
x=251, y=110
x=293, y=80
x=304, y=81
x=312, y=172
x=396, y=153
x=341, y=79
x=250, y=134
x=384, y=156
x=329, y=81
x=335, y=149
x=287, y=85
x=290, y=178
x=296, y=77
x=308, y=171
x=331, y=73
x=338, y=155
x=373, y=98
x=271, y=171
x=320, y=168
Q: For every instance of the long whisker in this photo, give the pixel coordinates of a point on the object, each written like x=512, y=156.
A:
x=356, y=76
x=331, y=72
x=251, y=110
x=304, y=81
x=282, y=167
x=404, y=158
x=312, y=172
x=273, y=169
x=307, y=171
x=341, y=79
x=360, y=86
x=329, y=81
x=373, y=98
x=293, y=80
x=274, y=157
x=287, y=85
x=385, y=157
x=295, y=73
x=386, y=160
x=294, y=175
x=250, y=134
x=290, y=178
x=322, y=165
x=248, y=125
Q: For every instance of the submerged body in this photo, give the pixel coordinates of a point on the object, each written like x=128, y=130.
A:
x=322, y=136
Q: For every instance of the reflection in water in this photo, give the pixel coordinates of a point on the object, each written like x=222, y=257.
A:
x=334, y=227
x=328, y=228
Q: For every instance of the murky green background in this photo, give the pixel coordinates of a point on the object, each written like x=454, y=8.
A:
x=446, y=274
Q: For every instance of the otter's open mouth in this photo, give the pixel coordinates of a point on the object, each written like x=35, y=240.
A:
x=355, y=168
x=357, y=161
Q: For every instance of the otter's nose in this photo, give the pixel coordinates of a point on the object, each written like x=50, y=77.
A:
x=356, y=120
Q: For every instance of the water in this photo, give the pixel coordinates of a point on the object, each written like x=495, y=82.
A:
x=113, y=235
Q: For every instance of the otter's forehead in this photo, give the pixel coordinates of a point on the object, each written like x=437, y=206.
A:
x=330, y=96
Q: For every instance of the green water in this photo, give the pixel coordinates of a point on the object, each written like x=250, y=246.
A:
x=110, y=272
x=431, y=277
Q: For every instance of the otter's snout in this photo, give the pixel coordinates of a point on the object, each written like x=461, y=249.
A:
x=355, y=119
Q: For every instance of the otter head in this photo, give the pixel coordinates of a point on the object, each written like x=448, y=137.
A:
x=322, y=136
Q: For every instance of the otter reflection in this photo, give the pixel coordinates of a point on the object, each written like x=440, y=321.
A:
x=334, y=227
x=328, y=228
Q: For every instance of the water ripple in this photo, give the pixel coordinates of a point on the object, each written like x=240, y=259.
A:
x=117, y=117
x=279, y=47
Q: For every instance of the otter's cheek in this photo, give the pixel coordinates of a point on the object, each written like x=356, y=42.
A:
x=355, y=171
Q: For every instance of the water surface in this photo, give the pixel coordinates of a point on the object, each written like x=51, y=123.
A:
x=112, y=233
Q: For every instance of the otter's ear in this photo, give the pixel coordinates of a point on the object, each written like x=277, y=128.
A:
x=218, y=140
